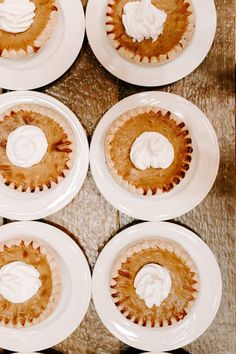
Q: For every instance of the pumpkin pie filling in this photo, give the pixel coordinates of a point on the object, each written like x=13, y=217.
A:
x=27, y=42
x=55, y=163
x=178, y=29
x=182, y=293
x=40, y=305
x=121, y=136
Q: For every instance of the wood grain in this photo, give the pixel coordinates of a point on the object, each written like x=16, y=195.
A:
x=90, y=91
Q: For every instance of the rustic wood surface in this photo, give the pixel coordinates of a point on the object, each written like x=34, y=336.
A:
x=89, y=91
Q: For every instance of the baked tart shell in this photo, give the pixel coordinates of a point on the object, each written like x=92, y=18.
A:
x=56, y=163
x=180, y=13
x=120, y=137
x=43, y=303
x=16, y=45
x=184, y=290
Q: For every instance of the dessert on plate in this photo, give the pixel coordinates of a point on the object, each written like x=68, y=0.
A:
x=25, y=26
x=149, y=31
x=148, y=150
x=30, y=283
x=35, y=148
x=154, y=283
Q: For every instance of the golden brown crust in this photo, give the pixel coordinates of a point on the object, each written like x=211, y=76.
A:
x=178, y=32
x=26, y=43
x=120, y=137
x=56, y=161
x=184, y=279
x=44, y=302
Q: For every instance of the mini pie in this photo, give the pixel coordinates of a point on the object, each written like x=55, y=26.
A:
x=44, y=302
x=56, y=161
x=184, y=277
x=124, y=131
x=25, y=43
x=178, y=31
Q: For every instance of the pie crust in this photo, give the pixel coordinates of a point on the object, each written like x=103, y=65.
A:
x=43, y=303
x=184, y=277
x=14, y=45
x=56, y=161
x=178, y=31
x=123, y=132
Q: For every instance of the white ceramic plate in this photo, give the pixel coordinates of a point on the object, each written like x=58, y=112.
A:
x=29, y=206
x=202, y=312
x=192, y=189
x=76, y=289
x=54, y=59
x=190, y=58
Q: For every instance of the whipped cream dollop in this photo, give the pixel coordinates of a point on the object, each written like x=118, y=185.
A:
x=16, y=16
x=19, y=281
x=151, y=149
x=153, y=284
x=26, y=146
x=142, y=20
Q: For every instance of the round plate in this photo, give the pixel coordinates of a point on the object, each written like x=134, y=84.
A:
x=202, y=312
x=29, y=206
x=44, y=67
x=76, y=289
x=192, y=189
x=189, y=59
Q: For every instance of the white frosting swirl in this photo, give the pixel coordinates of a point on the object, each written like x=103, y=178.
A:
x=19, y=281
x=142, y=20
x=26, y=146
x=151, y=149
x=16, y=16
x=153, y=284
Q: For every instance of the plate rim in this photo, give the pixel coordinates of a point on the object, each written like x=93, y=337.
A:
x=99, y=131
x=136, y=81
x=121, y=238
x=9, y=97
x=17, y=227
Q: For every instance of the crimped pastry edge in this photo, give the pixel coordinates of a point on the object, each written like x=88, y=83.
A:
x=55, y=273
x=154, y=61
x=157, y=242
x=114, y=127
x=43, y=37
x=58, y=118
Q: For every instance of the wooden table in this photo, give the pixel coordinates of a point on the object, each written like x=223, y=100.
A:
x=89, y=91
